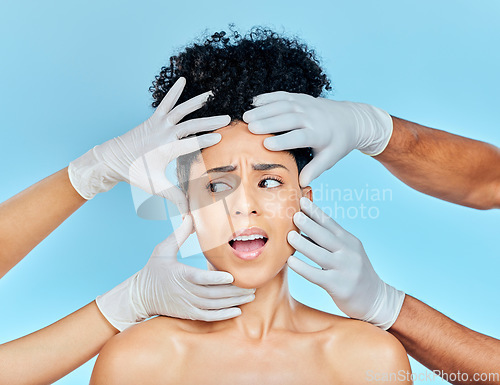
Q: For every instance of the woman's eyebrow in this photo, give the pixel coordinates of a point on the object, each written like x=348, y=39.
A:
x=220, y=169
x=255, y=166
x=268, y=166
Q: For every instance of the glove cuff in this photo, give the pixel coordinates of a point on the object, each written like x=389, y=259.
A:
x=386, y=308
x=376, y=127
x=89, y=175
x=118, y=305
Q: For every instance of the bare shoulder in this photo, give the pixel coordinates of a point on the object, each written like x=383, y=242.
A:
x=355, y=350
x=139, y=354
x=369, y=352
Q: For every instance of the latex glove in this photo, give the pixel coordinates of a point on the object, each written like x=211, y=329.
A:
x=167, y=287
x=140, y=156
x=346, y=272
x=333, y=129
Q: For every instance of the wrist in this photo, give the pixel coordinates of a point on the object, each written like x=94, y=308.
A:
x=374, y=126
x=90, y=175
x=386, y=308
x=118, y=305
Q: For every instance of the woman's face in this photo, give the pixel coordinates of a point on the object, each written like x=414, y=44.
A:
x=242, y=198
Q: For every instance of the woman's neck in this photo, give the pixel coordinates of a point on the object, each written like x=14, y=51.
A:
x=272, y=309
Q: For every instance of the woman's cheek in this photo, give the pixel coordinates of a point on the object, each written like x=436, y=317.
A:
x=281, y=210
x=280, y=204
x=292, y=209
x=211, y=225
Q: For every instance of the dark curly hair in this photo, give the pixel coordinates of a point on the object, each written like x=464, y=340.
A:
x=237, y=68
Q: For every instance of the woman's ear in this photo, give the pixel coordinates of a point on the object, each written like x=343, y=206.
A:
x=193, y=230
x=307, y=192
x=189, y=213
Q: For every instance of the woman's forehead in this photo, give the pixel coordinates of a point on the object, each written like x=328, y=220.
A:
x=240, y=147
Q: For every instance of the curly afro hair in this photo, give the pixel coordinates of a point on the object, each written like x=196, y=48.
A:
x=237, y=68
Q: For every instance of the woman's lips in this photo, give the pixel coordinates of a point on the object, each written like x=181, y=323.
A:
x=248, y=243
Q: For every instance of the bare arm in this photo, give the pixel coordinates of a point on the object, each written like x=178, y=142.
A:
x=444, y=165
x=440, y=343
x=50, y=353
x=30, y=216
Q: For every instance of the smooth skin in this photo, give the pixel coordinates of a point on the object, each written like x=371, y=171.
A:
x=347, y=275
x=439, y=343
x=72, y=340
x=49, y=354
x=447, y=166
x=319, y=348
x=424, y=158
x=30, y=216
x=276, y=340
x=23, y=225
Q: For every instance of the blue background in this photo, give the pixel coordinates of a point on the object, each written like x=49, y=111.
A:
x=74, y=74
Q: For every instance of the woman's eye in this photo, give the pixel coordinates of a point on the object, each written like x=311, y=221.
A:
x=269, y=183
x=218, y=187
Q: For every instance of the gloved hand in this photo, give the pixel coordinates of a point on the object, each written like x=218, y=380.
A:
x=140, y=156
x=346, y=274
x=167, y=287
x=331, y=128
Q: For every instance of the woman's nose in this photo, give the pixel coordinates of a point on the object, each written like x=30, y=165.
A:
x=246, y=212
x=244, y=203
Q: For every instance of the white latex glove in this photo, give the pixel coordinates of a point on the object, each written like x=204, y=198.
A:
x=346, y=272
x=140, y=156
x=167, y=287
x=333, y=129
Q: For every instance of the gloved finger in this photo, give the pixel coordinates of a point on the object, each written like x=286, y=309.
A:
x=285, y=122
x=268, y=110
x=293, y=139
x=172, y=96
x=148, y=173
x=271, y=97
x=321, y=235
x=193, y=126
x=176, y=196
x=187, y=107
x=334, y=261
x=207, y=277
x=310, y=250
x=221, y=303
x=312, y=274
x=318, y=165
x=182, y=233
x=319, y=216
x=309, y=239
x=170, y=246
x=219, y=291
x=218, y=315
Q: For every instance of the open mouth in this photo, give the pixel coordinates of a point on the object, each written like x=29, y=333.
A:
x=248, y=244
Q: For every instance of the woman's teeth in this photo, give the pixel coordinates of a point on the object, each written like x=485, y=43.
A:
x=248, y=237
x=248, y=243
x=248, y=247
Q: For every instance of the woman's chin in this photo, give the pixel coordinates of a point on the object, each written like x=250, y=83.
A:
x=248, y=282
x=255, y=279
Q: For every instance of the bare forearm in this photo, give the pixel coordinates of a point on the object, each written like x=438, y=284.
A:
x=444, y=165
x=50, y=353
x=30, y=216
x=440, y=343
